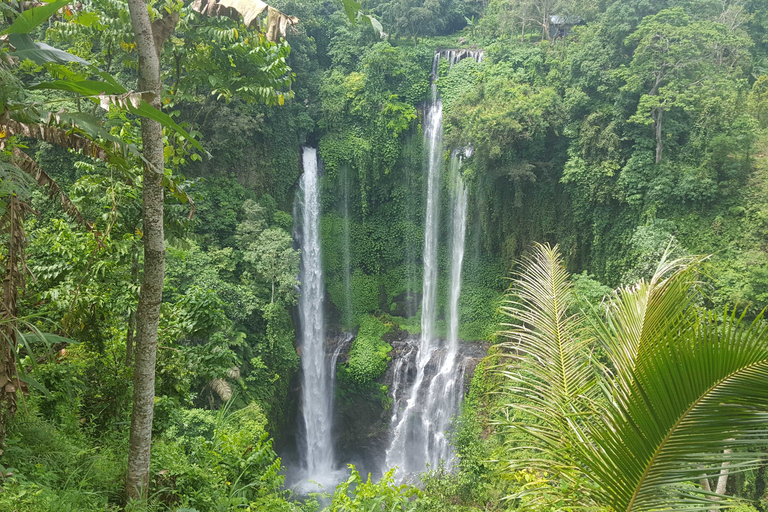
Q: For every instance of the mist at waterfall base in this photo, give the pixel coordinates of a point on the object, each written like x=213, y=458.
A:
x=427, y=373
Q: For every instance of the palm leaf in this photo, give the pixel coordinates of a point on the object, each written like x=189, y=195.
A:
x=637, y=313
x=695, y=392
x=551, y=377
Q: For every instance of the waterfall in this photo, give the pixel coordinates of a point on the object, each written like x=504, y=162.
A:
x=420, y=423
x=459, y=209
x=316, y=386
x=347, y=316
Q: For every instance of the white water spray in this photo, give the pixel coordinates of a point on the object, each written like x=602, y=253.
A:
x=420, y=424
x=316, y=386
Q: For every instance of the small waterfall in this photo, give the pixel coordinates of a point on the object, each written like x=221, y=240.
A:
x=459, y=209
x=342, y=343
x=421, y=422
x=316, y=386
x=454, y=56
x=347, y=317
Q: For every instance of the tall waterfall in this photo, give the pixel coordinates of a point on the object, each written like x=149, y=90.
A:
x=347, y=317
x=420, y=422
x=458, y=233
x=316, y=386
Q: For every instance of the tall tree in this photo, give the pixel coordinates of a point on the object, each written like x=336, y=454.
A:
x=148, y=310
x=675, y=60
x=150, y=37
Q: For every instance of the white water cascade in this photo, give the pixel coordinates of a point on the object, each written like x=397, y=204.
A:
x=317, y=380
x=347, y=317
x=459, y=202
x=422, y=416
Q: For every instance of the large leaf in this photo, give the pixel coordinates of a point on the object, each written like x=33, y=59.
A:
x=146, y=110
x=84, y=87
x=52, y=132
x=695, y=394
x=29, y=166
x=353, y=9
x=112, y=92
x=550, y=376
x=636, y=314
x=40, y=53
x=277, y=22
x=31, y=18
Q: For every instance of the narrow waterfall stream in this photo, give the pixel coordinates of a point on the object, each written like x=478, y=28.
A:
x=458, y=233
x=419, y=423
x=347, y=316
x=410, y=445
x=317, y=380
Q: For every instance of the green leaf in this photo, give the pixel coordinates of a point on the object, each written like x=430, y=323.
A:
x=32, y=382
x=46, y=337
x=374, y=23
x=84, y=87
x=351, y=7
x=29, y=19
x=150, y=112
x=40, y=53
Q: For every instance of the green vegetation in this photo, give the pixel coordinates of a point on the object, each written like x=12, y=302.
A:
x=621, y=130
x=368, y=354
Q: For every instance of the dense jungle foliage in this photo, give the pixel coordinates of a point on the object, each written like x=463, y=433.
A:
x=622, y=130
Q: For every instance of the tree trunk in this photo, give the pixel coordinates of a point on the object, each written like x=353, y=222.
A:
x=722, y=479
x=659, y=141
x=129, y=339
x=148, y=310
x=13, y=227
x=131, y=315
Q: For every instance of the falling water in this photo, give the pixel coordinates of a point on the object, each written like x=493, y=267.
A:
x=347, y=317
x=459, y=209
x=420, y=423
x=316, y=386
x=409, y=447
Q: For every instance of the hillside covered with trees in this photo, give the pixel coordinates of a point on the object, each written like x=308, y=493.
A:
x=537, y=242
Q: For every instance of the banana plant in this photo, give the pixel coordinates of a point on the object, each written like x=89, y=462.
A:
x=682, y=396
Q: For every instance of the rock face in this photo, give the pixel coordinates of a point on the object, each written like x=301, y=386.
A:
x=363, y=416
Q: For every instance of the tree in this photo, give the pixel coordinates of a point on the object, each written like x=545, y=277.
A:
x=151, y=295
x=150, y=37
x=275, y=259
x=675, y=59
x=683, y=395
x=415, y=18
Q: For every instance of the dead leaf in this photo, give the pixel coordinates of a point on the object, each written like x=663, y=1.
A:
x=277, y=22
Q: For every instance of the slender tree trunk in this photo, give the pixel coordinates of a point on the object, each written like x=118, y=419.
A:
x=132, y=315
x=148, y=310
x=129, y=339
x=722, y=479
x=659, y=141
x=12, y=225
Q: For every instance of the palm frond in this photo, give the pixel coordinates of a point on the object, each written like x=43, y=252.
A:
x=636, y=314
x=551, y=375
x=694, y=393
